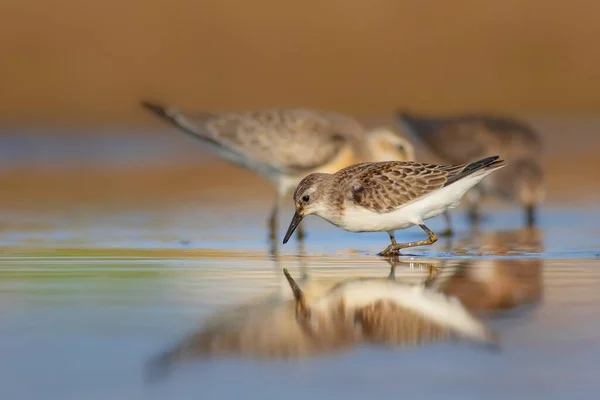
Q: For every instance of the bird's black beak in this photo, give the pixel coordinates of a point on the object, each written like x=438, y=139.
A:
x=293, y=225
x=530, y=215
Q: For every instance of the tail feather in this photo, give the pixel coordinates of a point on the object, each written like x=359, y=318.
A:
x=487, y=164
x=159, y=110
x=181, y=121
x=474, y=166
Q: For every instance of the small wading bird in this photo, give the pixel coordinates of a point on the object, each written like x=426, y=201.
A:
x=285, y=145
x=387, y=196
x=465, y=138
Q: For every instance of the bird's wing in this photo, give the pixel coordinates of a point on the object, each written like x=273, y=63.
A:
x=384, y=187
x=288, y=140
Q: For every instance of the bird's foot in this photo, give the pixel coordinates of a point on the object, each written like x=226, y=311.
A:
x=390, y=251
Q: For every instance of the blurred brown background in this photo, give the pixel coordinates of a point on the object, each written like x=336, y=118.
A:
x=73, y=61
x=73, y=72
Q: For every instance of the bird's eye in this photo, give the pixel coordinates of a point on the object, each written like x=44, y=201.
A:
x=305, y=197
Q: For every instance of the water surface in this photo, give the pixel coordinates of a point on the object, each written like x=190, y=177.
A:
x=84, y=306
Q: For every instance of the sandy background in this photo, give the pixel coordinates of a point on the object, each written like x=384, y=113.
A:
x=71, y=61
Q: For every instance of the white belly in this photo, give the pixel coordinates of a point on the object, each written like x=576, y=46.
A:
x=357, y=219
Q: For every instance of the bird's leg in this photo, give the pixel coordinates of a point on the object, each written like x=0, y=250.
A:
x=474, y=212
x=392, y=275
x=390, y=250
x=448, y=231
x=392, y=261
x=273, y=221
x=394, y=248
x=272, y=225
x=432, y=274
x=530, y=215
x=300, y=235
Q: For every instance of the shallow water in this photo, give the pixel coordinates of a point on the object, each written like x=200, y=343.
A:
x=87, y=300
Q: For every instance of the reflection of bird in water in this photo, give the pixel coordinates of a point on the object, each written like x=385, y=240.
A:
x=525, y=241
x=284, y=145
x=465, y=138
x=385, y=311
x=498, y=284
x=355, y=311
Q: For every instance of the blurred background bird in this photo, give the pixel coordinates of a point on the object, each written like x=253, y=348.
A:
x=468, y=137
x=285, y=145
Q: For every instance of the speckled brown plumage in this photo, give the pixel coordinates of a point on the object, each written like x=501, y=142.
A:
x=292, y=141
x=385, y=186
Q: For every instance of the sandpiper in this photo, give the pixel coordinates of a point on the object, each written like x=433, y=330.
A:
x=284, y=145
x=465, y=138
x=387, y=196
